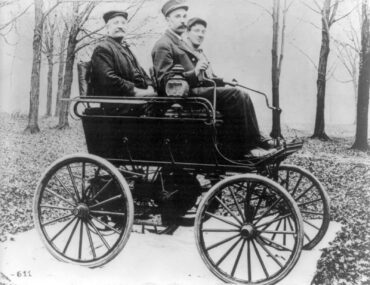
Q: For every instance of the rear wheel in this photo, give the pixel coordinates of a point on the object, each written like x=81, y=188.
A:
x=240, y=241
x=312, y=200
x=83, y=210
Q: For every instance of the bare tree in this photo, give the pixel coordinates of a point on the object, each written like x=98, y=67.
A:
x=6, y=27
x=48, y=50
x=328, y=11
x=363, y=81
x=62, y=51
x=81, y=13
x=40, y=17
x=278, y=40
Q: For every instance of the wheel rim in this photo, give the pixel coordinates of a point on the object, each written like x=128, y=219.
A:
x=83, y=211
x=312, y=200
x=240, y=241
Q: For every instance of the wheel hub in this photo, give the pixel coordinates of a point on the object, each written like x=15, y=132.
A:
x=81, y=211
x=247, y=231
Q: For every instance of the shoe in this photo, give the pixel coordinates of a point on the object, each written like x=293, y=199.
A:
x=260, y=152
x=266, y=143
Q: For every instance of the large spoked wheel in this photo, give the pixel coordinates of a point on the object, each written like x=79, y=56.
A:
x=240, y=241
x=312, y=200
x=83, y=210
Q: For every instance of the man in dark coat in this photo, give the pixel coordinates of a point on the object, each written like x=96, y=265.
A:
x=115, y=70
x=241, y=127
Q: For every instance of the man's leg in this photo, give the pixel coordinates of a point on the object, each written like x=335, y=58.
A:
x=238, y=111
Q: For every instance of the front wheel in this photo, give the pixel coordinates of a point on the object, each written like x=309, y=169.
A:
x=83, y=210
x=240, y=240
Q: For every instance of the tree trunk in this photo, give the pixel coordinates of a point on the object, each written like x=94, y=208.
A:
x=363, y=83
x=61, y=71
x=275, y=71
x=49, y=94
x=319, y=131
x=33, y=115
x=68, y=75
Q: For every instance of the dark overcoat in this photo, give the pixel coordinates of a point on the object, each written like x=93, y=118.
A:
x=115, y=70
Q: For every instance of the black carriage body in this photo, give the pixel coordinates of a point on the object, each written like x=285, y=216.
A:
x=154, y=139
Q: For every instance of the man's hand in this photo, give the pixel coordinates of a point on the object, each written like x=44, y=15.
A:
x=201, y=66
x=149, y=92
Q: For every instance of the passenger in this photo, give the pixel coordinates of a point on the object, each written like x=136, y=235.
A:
x=235, y=104
x=115, y=70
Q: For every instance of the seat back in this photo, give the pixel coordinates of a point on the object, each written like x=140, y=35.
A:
x=84, y=77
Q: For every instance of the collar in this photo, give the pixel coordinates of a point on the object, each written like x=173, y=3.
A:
x=122, y=43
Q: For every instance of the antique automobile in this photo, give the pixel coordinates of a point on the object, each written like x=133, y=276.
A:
x=157, y=163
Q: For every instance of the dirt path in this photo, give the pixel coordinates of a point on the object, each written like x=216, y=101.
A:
x=146, y=259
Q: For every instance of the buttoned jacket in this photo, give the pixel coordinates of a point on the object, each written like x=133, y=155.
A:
x=168, y=51
x=115, y=71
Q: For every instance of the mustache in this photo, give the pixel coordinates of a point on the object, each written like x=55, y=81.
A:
x=119, y=30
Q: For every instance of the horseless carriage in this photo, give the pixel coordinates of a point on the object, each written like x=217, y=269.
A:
x=153, y=163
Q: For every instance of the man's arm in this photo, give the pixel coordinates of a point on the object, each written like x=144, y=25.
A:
x=162, y=63
x=102, y=63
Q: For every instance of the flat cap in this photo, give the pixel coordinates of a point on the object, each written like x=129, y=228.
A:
x=111, y=14
x=194, y=21
x=173, y=5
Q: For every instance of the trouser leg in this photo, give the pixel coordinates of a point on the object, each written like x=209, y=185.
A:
x=238, y=111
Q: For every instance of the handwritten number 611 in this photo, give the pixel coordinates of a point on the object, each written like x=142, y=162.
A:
x=24, y=273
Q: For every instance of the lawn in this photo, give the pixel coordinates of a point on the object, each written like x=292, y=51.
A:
x=345, y=173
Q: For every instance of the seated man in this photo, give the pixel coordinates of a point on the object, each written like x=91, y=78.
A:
x=235, y=104
x=115, y=70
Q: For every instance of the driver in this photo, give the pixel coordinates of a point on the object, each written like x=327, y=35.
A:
x=240, y=122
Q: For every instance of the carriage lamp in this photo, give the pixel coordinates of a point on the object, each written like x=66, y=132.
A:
x=177, y=85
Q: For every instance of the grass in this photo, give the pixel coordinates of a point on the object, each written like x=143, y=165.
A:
x=345, y=173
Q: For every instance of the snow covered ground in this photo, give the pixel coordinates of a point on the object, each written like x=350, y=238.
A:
x=147, y=259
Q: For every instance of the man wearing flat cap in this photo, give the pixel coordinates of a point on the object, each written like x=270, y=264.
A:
x=115, y=70
x=240, y=122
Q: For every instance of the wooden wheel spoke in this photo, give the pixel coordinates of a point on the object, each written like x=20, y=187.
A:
x=106, y=201
x=65, y=188
x=55, y=207
x=222, y=219
x=304, y=193
x=90, y=240
x=228, y=252
x=261, y=243
x=220, y=230
x=278, y=218
x=276, y=228
x=62, y=229
x=73, y=183
x=260, y=259
x=307, y=237
x=71, y=236
x=267, y=211
x=312, y=213
x=60, y=197
x=56, y=220
x=222, y=242
x=106, y=225
x=83, y=180
x=237, y=204
x=249, y=261
x=237, y=259
x=296, y=185
x=102, y=189
x=267, y=240
x=229, y=211
x=279, y=232
x=100, y=235
x=81, y=240
x=309, y=202
x=107, y=213
x=312, y=225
